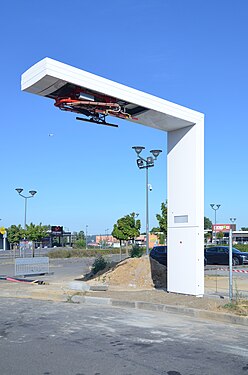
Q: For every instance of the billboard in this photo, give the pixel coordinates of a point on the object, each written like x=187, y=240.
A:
x=223, y=227
x=56, y=229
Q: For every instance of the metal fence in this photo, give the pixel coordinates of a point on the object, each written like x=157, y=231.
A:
x=31, y=266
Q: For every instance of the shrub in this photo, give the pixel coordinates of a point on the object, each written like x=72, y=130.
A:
x=137, y=251
x=80, y=244
x=99, y=264
x=241, y=247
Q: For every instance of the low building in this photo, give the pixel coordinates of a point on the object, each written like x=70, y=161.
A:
x=153, y=240
x=240, y=236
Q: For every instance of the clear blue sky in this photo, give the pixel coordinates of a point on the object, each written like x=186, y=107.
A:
x=193, y=53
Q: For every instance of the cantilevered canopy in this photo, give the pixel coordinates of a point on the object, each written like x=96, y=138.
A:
x=62, y=82
x=96, y=98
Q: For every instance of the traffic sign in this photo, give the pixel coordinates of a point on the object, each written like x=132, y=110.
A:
x=2, y=230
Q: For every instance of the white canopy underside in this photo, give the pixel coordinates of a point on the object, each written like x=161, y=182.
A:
x=48, y=76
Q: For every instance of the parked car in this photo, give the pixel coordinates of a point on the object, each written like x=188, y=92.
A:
x=159, y=253
x=220, y=255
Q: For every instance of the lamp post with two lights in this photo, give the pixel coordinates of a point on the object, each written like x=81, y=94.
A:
x=215, y=208
x=32, y=194
x=146, y=163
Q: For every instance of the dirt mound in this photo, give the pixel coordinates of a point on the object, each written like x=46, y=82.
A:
x=134, y=273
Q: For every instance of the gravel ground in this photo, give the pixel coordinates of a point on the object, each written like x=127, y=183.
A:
x=65, y=271
x=162, y=297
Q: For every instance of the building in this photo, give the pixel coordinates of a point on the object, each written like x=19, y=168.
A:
x=107, y=240
x=153, y=240
x=240, y=236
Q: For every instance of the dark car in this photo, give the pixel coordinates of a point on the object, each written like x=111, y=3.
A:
x=159, y=253
x=220, y=255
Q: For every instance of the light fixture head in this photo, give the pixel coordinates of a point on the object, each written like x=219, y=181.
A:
x=155, y=153
x=212, y=205
x=150, y=161
x=218, y=205
x=138, y=149
x=32, y=192
x=140, y=163
x=19, y=190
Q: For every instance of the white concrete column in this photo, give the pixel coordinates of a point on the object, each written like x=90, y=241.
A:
x=185, y=180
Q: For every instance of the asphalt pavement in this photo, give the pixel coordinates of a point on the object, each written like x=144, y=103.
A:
x=63, y=272
x=51, y=338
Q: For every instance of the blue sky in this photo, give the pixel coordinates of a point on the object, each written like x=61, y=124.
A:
x=193, y=53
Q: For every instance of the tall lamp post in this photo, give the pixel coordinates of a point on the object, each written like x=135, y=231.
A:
x=86, y=235
x=215, y=207
x=232, y=219
x=106, y=237
x=32, y=194
x=146, y=163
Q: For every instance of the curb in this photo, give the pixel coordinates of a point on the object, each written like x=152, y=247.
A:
x=194, y=313
x=103, y=301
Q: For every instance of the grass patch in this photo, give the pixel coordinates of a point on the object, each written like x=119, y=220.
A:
x=239, y=307
x=80, y=253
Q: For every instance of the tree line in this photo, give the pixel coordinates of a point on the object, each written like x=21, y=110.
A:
x=126, y=228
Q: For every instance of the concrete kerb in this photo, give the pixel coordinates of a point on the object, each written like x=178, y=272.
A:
x=64, y=295
x=195, y=313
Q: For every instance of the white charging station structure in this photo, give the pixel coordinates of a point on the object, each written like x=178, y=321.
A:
x=185, y=159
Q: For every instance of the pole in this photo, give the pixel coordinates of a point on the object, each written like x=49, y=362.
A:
x=212, y=205
x=215, y=237
x=146, y=163
x=86, y=246
x=25, y=214
x=230, y=266
x=147, y=215
x=4, y=241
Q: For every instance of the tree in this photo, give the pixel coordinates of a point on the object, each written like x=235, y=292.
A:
x=80, y=235
x=207, y=223
x=244, y=228
x=35, y=232
x=155, y=230
x=220, y=236
x=126, y=228
x=207, y=236
x=15, y=233
x=80, y=241
x=162, y=219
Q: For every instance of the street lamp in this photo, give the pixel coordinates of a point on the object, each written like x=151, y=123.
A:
x=215, y=208
x=146, y=163
x=32, y=194
x=106, y=237
x=232, y=219
x=86, y=234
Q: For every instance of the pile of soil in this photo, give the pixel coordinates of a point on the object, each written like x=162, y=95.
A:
x=134, y=273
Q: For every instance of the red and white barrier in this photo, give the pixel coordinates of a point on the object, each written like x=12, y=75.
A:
x=227, y=269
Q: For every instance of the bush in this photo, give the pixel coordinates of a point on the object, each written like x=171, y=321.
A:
x=137, y=251
x=241, y=247
x=99, y=264
x=80, y=244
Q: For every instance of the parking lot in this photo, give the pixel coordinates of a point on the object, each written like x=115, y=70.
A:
x=63, y=271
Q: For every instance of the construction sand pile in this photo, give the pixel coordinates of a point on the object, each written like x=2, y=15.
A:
x=134, y=273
